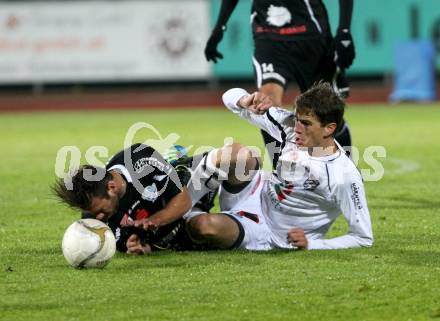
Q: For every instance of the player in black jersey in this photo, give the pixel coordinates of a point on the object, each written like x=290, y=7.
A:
x=138, y=194
x=293, y=42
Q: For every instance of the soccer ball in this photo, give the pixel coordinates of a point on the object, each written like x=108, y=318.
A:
x=88, y=243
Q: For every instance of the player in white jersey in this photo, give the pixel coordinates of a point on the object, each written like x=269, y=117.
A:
x=294, y=206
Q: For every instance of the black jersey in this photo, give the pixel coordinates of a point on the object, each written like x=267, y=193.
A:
x=289, y=19
x=151, y=184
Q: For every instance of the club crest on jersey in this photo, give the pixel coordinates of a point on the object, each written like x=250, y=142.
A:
x=278, y=16
x=150, y=193
x=310, y=184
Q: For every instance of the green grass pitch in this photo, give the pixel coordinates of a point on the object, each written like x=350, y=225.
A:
x=397, y=279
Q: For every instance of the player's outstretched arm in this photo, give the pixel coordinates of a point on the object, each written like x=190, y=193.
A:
x=344, y=44
x=226, y=9
x=353, y=204
x=257, y=103
x=256, y=108
x=178, y=206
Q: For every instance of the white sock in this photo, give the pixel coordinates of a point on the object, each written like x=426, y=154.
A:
x=205, y=177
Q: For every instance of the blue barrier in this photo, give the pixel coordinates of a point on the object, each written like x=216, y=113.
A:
x=414, y=77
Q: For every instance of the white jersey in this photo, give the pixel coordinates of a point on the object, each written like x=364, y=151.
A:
x=308, y=192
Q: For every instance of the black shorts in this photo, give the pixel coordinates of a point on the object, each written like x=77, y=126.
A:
x=304, y=61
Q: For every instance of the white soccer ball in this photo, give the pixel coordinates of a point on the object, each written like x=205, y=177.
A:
x=88, y=243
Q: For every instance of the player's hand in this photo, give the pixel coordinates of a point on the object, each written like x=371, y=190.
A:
x=344, y=47
x=211, y=52
x=257, y=103
x=134, y=246
x=297, y=237
x=146, y=224
x=101, y=217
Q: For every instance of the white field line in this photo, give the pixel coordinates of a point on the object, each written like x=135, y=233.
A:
x=403, y=166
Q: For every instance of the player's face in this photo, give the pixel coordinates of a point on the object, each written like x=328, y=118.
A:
x=308, y=131
x=103, y=207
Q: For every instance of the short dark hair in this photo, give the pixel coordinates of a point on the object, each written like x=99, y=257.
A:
x=322, y=101
x=79, y=196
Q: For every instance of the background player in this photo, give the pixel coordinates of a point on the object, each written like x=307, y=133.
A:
x=293, y=42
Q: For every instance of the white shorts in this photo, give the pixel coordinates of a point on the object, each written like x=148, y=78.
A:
x=245, y=208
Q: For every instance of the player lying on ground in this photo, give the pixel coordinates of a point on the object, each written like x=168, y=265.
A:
x=294, y=206
x=139, y=195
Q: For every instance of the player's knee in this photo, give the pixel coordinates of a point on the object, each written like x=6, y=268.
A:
x=203, y=226
x=217, y=231
x=229, y=153
x=235, y=155
x=234, y=163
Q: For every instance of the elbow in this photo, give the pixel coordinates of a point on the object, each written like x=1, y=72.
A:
x=225, y=97
x=232, y=96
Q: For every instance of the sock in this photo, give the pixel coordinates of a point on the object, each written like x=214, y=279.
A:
x=206, y=177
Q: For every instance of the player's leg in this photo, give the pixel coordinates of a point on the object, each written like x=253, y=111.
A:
x=343, y=137
x=275, y=91
x=270, y=73
x=305, y=61
x=238, y=161
x=241, y=224
x=217, y=231
x=328, y=71
x=231, y=230
x=233, y=164
x=271, y=79
x=340, y=85
x=184, y=166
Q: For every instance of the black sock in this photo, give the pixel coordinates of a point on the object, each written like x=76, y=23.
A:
x=343, y=137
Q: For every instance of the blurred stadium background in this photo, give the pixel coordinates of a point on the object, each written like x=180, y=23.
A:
x=116, y=54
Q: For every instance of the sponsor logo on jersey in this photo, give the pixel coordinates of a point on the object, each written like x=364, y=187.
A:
x=150, y=163
x=117, y=234
x=355, y=196
x=282, y=31
x=150, y=193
